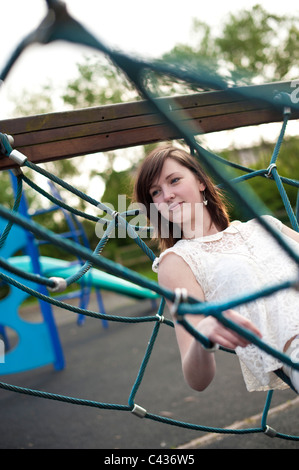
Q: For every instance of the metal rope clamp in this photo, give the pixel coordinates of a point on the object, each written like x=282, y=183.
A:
x=270, y=432
x=214, y=347
x=181, y=295
x=17, y=157
x=139, y=411
x=161, y=318
x=60, y=284
x=269, y=170
x=13, y=154
x=115, y=215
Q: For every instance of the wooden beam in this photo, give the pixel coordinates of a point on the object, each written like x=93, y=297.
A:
x=69, y=134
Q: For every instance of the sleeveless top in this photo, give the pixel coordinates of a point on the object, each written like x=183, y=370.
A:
x=242, y=259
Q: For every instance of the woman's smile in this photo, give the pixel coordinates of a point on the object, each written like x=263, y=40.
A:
x=178, y=195
x=174, y=206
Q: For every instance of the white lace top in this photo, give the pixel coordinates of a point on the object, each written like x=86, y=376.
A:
x=242, y=259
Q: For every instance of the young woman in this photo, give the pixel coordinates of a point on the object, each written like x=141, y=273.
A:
x=215, y=259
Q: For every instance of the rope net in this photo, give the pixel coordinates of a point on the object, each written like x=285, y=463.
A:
x=64, y=27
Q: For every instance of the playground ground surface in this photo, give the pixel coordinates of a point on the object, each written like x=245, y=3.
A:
x=102, y=365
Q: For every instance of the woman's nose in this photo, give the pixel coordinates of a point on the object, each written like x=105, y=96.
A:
x=168, y=195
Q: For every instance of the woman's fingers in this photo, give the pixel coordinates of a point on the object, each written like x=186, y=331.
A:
x=236, y=339
x=242, y=321
x=228, y=338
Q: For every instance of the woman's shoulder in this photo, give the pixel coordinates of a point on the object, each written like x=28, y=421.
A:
x=175, y=269
x=171, y=256
x=269, y=219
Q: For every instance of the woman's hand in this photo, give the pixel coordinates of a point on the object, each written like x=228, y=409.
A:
x=218, y=333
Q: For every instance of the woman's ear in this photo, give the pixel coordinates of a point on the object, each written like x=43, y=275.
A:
x=201, y=186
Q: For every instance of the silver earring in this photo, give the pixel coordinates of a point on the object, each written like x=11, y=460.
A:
x=204, y=199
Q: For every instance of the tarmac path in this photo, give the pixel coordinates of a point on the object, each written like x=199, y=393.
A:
x=102, y=365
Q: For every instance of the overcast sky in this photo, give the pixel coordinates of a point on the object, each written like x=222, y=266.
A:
x=135, y=26
x=148, y=28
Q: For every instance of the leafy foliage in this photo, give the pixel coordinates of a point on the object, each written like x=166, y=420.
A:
x=98, y=83
x=253, y=44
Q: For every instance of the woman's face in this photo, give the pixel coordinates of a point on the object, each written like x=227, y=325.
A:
x=177, y=194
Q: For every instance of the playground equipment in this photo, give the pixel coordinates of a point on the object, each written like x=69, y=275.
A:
x=38, y=343
x=164, y=119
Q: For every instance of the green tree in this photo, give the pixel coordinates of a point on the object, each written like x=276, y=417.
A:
x=6, y=193
x=251, y=43
x=36, y=102
x=98, y=83
x=265, y=188
x=264, y=43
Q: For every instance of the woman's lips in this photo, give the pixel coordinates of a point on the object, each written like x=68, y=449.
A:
x=174, y=206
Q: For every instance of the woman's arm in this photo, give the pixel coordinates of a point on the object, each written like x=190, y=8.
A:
x=290, y=233
x=198, y=364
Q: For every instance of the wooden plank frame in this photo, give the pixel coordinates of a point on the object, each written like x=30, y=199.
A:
x=54, y=136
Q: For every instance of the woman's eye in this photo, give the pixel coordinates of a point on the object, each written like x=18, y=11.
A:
x=155, y=193
x=175, y=180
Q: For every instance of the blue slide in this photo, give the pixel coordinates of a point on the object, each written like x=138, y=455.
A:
x=52, y=267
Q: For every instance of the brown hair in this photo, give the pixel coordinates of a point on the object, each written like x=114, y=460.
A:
x=150, y=170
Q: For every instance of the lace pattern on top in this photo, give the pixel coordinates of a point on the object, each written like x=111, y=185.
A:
x=242, y=259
